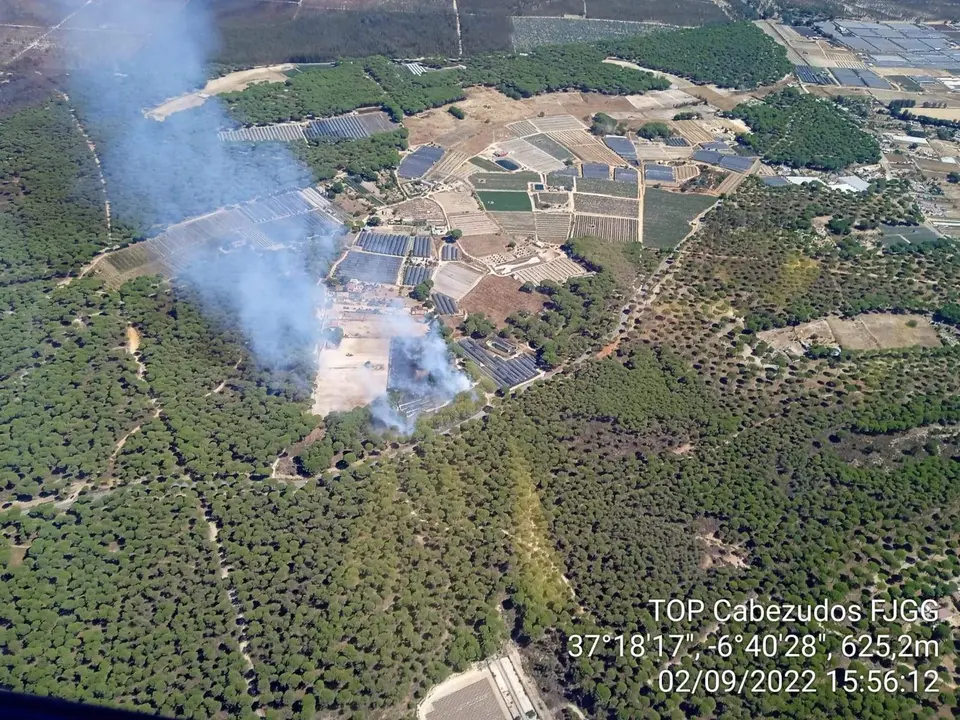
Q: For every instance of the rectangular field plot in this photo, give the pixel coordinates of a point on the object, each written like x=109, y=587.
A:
x=606, y=228
x=504, y=201
x=282, y=132
x=523, y=128
x=486, y=165
x=350, y=126
x=667, y=216
x=552, y=227
x=557, y=123
x=550, y=146
x=606, y=187
x=692, y=130
x=559, y=270
x=883, y=331
x=473, y=223
x=506, y=373
x=552, y=199
x=365, y=267
x=653, y=173
x=562, y=179
x=516, y=223
x=416, y=274
x=446, y=167
x=596, y=171
x=603, y=205
x=455, y=280
x=419, y=162
x=531, y=32
x=588, y=149
x=531, y=156
x=504, y=181
x=384, y=244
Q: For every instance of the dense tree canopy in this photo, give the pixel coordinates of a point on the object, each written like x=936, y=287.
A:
x=181, y=572
x=51, y=201
x=797, y=129
x=737, y=55
x=309, y=93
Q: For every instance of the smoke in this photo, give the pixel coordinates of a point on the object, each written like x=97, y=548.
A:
x=422, y=371
x=160, y=173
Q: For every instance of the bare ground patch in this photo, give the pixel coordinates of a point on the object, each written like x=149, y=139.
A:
x=498, y=297
x=481, y=245
x=874, y=331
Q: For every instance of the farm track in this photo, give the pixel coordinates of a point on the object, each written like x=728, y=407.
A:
x=103, y=182
x=456, y=15
x=213, y=531
x=47, y=34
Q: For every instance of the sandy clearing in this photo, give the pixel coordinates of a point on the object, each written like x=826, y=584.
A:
x=233, y=82
x=133, y=339
x=346, y=380
x=938, y=113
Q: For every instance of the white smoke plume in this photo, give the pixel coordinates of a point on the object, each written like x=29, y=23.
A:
x=160, y=173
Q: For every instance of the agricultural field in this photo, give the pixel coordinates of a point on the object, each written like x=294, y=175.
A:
x=607, y=187
x=504, y=201
x=551, y=199
x=602, y=205
x=498, y=297
x=486, y=165
x=550, y=146
x=516, y=223
x=607, y=228
x=531, y=156
x=667, y=216
x=506, y=181
x=479, y=246
x=552, y=227
x=423, y=210
x=455, y=279
x=531, y=32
